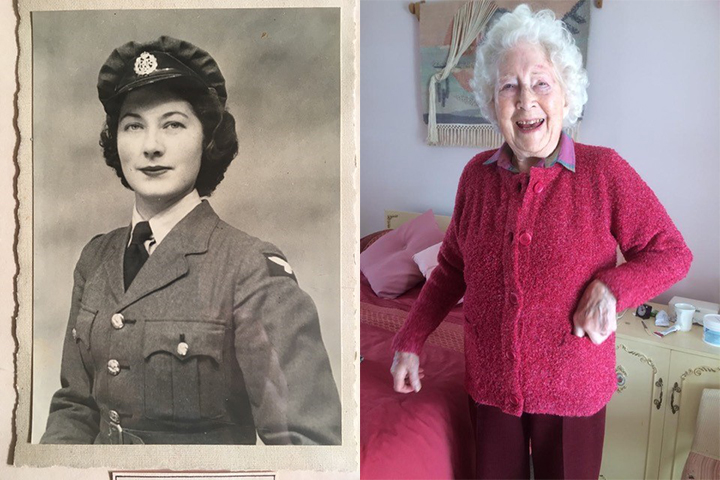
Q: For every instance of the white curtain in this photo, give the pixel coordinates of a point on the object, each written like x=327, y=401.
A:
x=467, y=25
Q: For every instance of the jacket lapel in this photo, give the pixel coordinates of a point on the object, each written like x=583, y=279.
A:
x=168, y=263
x=113, y=263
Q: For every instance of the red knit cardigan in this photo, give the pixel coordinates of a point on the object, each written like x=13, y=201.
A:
x=522, y=248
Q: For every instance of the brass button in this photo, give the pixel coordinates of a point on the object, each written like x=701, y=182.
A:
x=182, y=349
x=113, y=367
x=114, y=416
x=74, y=334
x=118, y=321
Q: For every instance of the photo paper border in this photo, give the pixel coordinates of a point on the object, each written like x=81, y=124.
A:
x=343, y=458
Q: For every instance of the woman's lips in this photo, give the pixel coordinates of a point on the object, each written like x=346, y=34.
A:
x=528, y=126
x=154, y=171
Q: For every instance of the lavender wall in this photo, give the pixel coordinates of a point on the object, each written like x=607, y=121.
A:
x=654, y=71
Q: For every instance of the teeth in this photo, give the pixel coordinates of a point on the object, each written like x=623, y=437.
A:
x=528, y=122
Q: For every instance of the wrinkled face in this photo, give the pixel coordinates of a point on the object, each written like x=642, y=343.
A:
x=529, y=102
x=160, y=144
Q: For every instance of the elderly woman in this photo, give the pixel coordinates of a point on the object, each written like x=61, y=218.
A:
x=532, y=246
x=183, y=329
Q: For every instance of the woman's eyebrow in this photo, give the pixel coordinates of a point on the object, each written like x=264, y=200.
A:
x=130, y=114
x=540, y=69
x=169, y=114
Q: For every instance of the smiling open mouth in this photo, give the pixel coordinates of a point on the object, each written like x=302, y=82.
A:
x=529, y=125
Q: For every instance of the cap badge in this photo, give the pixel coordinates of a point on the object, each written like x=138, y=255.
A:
x=145, y=64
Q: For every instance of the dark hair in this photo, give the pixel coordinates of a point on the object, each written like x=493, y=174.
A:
x=220, y=143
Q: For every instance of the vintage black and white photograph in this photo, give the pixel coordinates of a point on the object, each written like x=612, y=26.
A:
x=186, y=228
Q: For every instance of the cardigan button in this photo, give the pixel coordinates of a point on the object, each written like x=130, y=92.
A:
x=525, y=239
x=514, y=298
x=509, y=354
x=514, y=401
x=539, y=187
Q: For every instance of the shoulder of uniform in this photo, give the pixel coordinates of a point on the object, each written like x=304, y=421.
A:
x=234, y=237
x=102, y=240
x=276, y=263
x=258, y=255
x=95, y=250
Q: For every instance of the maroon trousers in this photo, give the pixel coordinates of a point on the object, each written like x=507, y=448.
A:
x=562, y=447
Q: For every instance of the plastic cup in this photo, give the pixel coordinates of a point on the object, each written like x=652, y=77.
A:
x=684, y=316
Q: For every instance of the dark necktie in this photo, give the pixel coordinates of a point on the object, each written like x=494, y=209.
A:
x=135, y=253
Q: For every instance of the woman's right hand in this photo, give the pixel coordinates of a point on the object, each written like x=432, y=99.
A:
x=406, y=372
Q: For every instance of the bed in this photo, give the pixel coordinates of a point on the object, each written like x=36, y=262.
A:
x=420, y=435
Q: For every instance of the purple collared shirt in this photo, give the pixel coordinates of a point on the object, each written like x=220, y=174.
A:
x=564, y=155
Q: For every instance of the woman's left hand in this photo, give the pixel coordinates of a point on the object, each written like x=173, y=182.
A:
x=595, y=314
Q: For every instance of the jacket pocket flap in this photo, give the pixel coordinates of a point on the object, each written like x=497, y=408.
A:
x=184, y=339
x=83, y=325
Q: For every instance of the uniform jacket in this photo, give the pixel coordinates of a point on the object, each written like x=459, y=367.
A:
x=523, y=247
x=212, y=341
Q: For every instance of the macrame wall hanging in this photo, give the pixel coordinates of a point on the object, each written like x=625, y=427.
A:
x=449, y=34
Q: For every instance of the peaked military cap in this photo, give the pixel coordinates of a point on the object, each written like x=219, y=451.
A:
x=134, y=65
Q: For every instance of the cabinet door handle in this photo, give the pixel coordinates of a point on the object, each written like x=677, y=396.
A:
x=658, y=401
x=620, y=378
x=673, y=407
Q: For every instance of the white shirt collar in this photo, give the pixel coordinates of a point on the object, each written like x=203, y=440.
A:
x=163, y=222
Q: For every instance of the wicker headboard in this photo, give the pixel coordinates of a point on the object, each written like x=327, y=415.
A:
x=395, y=218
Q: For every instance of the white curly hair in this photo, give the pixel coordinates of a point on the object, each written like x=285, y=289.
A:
x=541, y=28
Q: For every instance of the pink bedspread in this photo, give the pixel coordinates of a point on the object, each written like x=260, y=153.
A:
x=419, y=435
x=403, y=302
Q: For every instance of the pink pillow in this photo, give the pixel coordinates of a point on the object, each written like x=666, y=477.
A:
x=371, y=238
x=427, y=260
x=388, y=263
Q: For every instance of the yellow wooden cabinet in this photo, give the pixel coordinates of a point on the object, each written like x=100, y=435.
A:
x=651, y=418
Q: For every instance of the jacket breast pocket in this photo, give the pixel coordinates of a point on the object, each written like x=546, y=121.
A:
x=184, y=374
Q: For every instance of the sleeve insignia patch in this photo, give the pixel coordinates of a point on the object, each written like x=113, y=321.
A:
x=278, y=266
